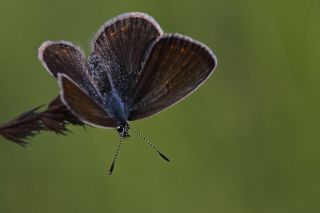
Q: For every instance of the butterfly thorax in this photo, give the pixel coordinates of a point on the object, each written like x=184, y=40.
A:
x=116, y=108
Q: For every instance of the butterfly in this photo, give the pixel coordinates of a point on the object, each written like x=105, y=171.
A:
x=134, y=70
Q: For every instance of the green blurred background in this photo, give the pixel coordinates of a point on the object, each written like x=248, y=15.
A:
x=246, y=141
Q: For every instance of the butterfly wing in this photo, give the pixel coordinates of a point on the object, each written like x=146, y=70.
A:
x=81, y=105
x=77, y=91
x=175, y=67
x=118, y=51
x=63, y=57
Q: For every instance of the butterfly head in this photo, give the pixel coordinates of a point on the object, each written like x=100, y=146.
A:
x=123, y=130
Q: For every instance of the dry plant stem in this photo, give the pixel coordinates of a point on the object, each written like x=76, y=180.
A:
x=28, y=124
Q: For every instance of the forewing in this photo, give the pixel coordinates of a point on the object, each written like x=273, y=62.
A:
x=175, y=66
x=118, y=51
x=81, y=105
x=63, y=57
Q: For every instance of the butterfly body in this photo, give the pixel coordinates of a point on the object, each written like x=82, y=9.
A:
x=111, y=100
x=117, y=109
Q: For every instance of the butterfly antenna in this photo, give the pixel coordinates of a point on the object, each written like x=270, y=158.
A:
x=152, y=146
x=115, y=157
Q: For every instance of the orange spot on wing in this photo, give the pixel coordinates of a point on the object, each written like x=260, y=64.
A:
x=182, y=50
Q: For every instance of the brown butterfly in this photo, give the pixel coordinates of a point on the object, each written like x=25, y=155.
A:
x=134, y=70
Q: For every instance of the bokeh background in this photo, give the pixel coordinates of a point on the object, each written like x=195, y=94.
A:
x=246, y=141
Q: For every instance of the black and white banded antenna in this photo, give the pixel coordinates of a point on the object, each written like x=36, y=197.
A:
x=115, y=156
x=152, y=146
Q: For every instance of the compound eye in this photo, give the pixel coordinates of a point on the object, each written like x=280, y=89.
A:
x=120, y=129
